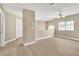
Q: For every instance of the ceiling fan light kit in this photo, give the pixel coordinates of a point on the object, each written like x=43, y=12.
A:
x=60, y=15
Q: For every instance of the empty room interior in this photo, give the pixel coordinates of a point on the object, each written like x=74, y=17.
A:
x=39, y=29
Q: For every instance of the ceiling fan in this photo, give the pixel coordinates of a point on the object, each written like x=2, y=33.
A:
x=60, y=15
x=51, y=3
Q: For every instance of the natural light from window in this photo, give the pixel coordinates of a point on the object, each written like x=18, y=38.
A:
x=51, y=27
x=66, y=25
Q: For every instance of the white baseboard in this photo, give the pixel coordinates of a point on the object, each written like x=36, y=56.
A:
x=66, y=37
x=29, y=43
x=44, y=38
x=2, y=45
x=10, y=40
x=18, y=36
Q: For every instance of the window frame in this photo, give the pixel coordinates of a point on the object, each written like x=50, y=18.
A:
x=66, y=25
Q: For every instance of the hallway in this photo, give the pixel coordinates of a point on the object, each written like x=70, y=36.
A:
x=53, y=46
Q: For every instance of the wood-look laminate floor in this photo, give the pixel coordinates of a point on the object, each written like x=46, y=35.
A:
x=53, y=46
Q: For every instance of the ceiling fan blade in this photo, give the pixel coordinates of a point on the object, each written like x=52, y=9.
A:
x=51, y=3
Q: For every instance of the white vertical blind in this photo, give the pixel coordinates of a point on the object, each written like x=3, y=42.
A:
x=0, y=28
x=18, y=27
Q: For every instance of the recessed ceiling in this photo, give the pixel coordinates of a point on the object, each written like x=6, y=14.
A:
x=43, y=11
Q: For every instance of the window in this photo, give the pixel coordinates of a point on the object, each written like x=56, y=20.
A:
x=18, y=27
x=61, y=25
x=70, y=25
x=66, y=25
x=51, y=27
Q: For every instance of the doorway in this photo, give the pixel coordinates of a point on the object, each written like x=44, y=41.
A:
x=2, y=29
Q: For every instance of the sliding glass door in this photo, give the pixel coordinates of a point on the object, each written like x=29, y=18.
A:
x=0, y=29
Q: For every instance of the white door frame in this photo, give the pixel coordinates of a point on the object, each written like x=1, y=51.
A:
x=2, y=44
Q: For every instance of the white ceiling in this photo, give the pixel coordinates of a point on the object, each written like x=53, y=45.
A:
x=43, y=11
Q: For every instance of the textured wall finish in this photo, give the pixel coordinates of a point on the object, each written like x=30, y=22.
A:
x=28, y=25
x=75, y=33
x=39, y=25
x=10, y=24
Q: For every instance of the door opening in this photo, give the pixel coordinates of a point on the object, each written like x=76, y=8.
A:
x=2, y=29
